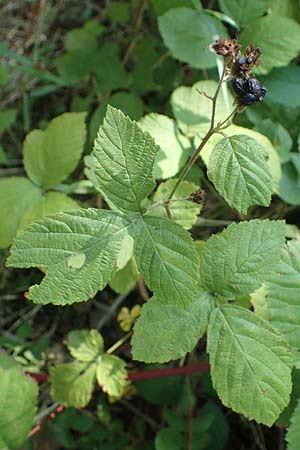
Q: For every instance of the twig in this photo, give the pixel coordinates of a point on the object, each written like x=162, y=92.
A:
x=112, y=309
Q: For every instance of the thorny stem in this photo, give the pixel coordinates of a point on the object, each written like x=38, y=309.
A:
x=212, y=130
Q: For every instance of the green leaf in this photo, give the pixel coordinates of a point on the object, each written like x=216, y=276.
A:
x=118, y=12
x=283, y=288
x=50, y=203
x=77, y=250
x=74, y=66
x=107, y=65
x=269, y=33
x=128, y=102
x=85, y=345
x=250, y=364
x=284, y=86
x=238, y=168
x=4, y=76
x=145, y=59
x=169, y=439
x=187, y=34
x=183, y=211
x=289, y=184
x=244, y=11
x=174, y=147
x=18, y=399
x=293, y=434
x=162, y=6
x=125, y=279
x=239, y=259
x=121, y=167
x=17, y=195
x=191, y=109
x=273, y=158
x=167, y=259
x=165, y=332
x=279, y=137
x=112, y=375
x=7, y=119
x=72, y=384
x=51, y=155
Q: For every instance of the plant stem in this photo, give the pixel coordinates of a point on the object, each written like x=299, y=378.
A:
x=212, y=130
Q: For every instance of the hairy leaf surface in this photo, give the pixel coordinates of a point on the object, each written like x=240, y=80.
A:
x=250, y=364
x=239, y=259
x=167, y=259
x=165, y=332
x=239, y=170
x=121, y=166
x=78, y=251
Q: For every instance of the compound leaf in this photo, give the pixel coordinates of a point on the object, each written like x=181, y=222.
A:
x=250, y=364
x=239, y=259
x=51, y=155
x=167, y=259
x=165, y=332
x=283, y=286
x=77, y=250
x=293, y=434
x=85, y=345
x=239, y=170
x=187, y=33
x=174, y=147
x=72, y=384
x=121, y=164
x=269, y=33
x=17, y=195
x=112, y=375
x=18, y=399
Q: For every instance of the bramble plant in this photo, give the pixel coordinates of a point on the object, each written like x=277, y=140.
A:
x=240, y=286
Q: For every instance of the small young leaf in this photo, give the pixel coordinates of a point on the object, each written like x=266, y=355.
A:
x=183, y=211
x=112, y=375
x=122, y=162
x=85, y=345
x=17, y=195
x=293, y=434
x=187, y=33
x=239, y=170
x=239, y=259
x=167, y=259
x=18, y=399
x=72, y=384
x=51, y=155
x=283, y=285
x=243, y=351
x=269, y=33
x=50, y=203
x=51, y=244
x=174, y=147
x=164, y=332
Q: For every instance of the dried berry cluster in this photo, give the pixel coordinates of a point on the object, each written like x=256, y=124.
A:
x=247, y=88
